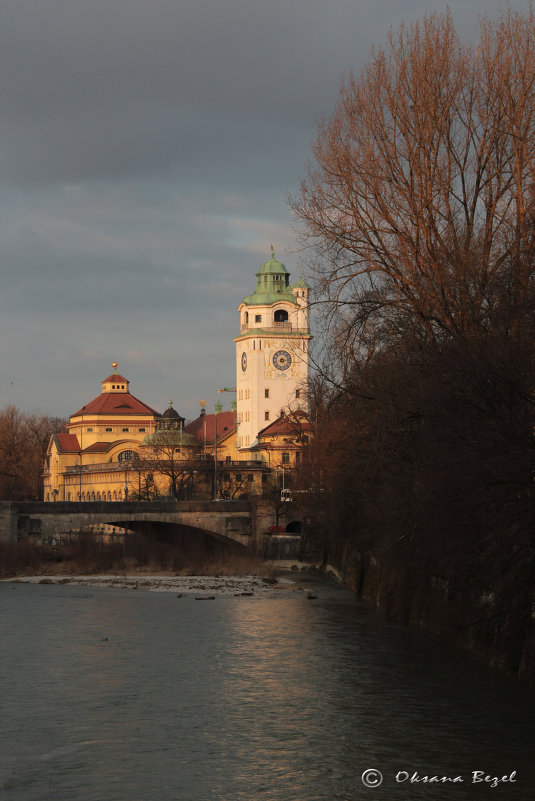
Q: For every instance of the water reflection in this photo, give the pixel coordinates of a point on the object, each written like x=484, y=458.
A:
x=118, y=694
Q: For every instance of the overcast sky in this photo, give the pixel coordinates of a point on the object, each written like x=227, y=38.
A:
x=147, y=150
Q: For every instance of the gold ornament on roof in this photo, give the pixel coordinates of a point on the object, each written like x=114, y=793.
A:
x=115, y=365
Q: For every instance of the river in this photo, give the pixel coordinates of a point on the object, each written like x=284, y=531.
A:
x=122, y=695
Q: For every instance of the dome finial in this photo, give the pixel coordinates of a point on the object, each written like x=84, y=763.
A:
x=115, y=365
x=272, y=252
x=170, y=404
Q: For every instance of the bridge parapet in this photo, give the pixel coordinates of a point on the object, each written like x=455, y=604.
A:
x=226, y=520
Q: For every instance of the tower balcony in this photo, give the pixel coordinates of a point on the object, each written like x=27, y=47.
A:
x=275, y=328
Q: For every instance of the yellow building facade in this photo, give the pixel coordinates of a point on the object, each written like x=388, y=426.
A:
x=113, y=449
x=93, y=460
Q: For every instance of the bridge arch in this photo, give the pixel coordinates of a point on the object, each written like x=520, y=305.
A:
x=229, y=521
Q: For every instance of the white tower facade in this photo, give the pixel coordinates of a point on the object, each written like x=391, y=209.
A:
x=271, y=351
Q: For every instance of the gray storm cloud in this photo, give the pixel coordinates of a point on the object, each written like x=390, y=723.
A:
x=146, y=152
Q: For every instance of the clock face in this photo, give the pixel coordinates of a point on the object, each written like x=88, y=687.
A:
x=244, y=362
x=282, y=360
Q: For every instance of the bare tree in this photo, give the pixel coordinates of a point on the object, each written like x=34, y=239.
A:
x=232, y=485
x=174, y=455
x=23, y=441
x=421, y=205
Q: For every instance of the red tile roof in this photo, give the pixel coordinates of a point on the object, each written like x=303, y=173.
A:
x=103, y=447
x=98, y=447
x=67, y=443
x=297, y=423
x=115, y=403
x=115, y=378
x=204, y=426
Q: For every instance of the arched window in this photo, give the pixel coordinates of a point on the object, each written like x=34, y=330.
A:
x=114, y=495
x=48, y=497
x=83, y=496
x=126, y=456
x=109, y=495
x=93, y=497
x=281, y=316
x=98, y=496
x=68, y=496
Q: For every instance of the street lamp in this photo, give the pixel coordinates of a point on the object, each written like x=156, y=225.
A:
x=217, y=408
x=78, y=467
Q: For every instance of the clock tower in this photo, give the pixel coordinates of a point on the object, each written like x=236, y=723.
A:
x=271, y=351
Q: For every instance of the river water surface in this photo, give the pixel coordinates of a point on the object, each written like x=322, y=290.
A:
x=123, y=695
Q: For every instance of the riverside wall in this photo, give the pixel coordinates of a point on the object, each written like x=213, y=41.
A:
x=493, y=623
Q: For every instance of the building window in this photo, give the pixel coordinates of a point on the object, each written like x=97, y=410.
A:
x=281, y=316
x=226, y=476
x=89, y=429
x=266, y=393
x=238, y=476
x=258, y=318
x=286, y=458
x=297, y=393
x=126, y=429
x=266, y=415
x=250, y=477
x=109, y=429
x=141, y=429
x=228, y=459
x=126, y=456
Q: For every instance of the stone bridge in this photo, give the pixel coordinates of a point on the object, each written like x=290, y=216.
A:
x=229, y=521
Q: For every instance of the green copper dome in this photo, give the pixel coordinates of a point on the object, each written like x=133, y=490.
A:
x=272, y=285
x=301, y=284
x=272, y=267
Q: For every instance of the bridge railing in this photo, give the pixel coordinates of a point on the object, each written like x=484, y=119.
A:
x=129, y=507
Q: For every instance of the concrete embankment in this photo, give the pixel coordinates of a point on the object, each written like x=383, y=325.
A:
x=493, y=622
